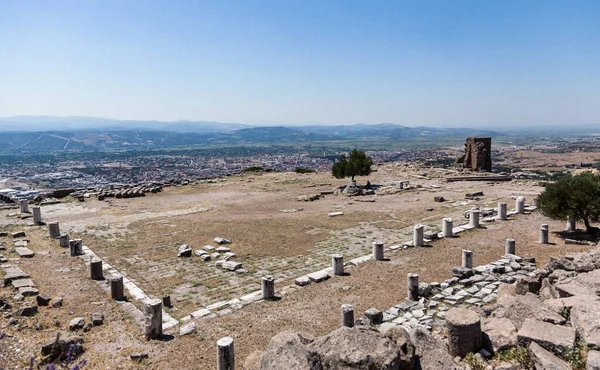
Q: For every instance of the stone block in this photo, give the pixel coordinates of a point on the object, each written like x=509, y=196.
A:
x=501, y=333
x=302, y=281
x=231, y=265
x=27, y=311
x=76, y=323
x=97, y=318
x=374, y=316
x=184, y=251
x=43, y=299
x=593, y=360
x=20, y=283
x=544, y=360
x=554, y=338
x=28, y=291
x=318, y=276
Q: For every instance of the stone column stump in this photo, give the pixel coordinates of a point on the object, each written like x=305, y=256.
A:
x=75, y=247
x=412, y=287
x=64, y=241
x=54, y=230
x=447, y=227
x=378, y=251
x=268, y=287
x=510, y=247
x=474, y=218
x=37, y=215
x=152, y=318
x=467, y=259
x=96, y=269
x=418, y=235
x=571, y=225
x=116, y=288
x=502, y=211
x=337, y=264
x=520, y=205
x=544, y=234
x=225, y=355
x=24, y=204
x=348, y=315
x=464, y=332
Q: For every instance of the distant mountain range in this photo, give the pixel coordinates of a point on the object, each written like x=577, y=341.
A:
x=83, y=133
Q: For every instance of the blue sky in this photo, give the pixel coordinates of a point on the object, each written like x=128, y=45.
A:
x=438, y=63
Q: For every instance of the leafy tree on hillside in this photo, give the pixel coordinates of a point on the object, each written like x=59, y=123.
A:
x=577, y=197
x=356, y=164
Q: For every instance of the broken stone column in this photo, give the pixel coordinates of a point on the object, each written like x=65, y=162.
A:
x=447, y=228
x=24, y=206
x=337, y=264
x=510, y=246
x=412, y=287
x=268, y=287
x=225, y=355
x=54, y=230
x=544, y=234
x=116, y=287
x=502, y=211
x=167, y=300
x=474, y=218
x=467, y=259
x=64, y=241
x=418, y=235
x=378, y=251
x=347, y=315
x=520, y=205
x=464, y=332
x=96, y=269
x=152, y=318
x=76, y=247
x=37, y=215
x=571, y=225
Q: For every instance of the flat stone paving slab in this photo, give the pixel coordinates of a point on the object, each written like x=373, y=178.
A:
x=28, y=291
x=19, y=283
x=13, y=272
x=24, y=252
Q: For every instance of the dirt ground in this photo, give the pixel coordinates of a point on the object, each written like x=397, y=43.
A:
x=140, y=237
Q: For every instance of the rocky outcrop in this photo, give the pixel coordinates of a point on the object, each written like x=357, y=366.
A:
x=346, y=348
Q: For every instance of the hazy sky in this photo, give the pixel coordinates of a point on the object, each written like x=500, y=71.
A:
x=298, y=61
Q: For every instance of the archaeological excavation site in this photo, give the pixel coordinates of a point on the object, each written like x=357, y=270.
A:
x=423, y=268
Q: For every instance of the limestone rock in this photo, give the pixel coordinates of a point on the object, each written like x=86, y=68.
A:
x=585, y=317
x=544, y=360
x=501, y=333
x=593, y=360
x=400, y=336
x=219, y=240
x=554, y=338
x=521, y=307
x=528, y=284
x=58, y=301
x=289, y=350
x=432, y=353
x=585, y=283
x=358, y=347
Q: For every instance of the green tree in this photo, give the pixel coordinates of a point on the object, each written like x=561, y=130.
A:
x=577, y=197
x=356, y=164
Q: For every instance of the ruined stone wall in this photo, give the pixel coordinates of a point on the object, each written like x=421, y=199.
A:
x=478, y=154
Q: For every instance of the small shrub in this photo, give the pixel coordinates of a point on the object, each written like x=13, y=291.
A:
x=577, y=356
x=303, y=170
x=474, y=362
x=253, y=169
x=518, y=355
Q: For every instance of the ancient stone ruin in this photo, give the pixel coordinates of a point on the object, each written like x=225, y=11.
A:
x=477, y=155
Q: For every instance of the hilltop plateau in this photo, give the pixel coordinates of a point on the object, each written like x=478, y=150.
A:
x=273, y=233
